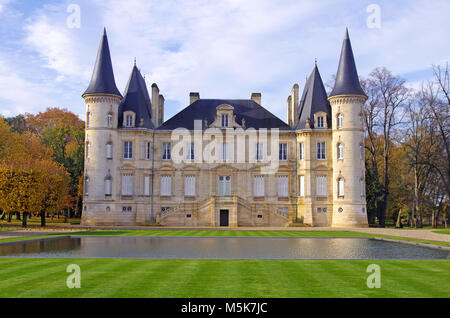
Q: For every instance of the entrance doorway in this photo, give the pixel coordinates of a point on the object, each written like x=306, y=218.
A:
x=223, y=217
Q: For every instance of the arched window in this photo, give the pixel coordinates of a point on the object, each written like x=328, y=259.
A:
x=361, y=152
x=109, y=119
x=88, y=149
x=88, y=119
x=340, y=151
x=86, y=185
x=108, y=185
x=339, y=121
x=109, y=150
x=341, y=187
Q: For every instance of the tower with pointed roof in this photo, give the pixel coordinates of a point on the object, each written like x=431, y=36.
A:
x=102, y=100
x=347, y=99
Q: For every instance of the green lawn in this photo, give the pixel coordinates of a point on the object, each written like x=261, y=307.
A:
x=442, y=231
x=222, y=278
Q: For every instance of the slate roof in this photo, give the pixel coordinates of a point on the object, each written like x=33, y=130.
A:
x=313, y=100
x=255, y=115
x=102, y=81
x=137, y=99
x=347, y=81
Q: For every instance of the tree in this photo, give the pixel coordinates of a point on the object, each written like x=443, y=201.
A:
x=387, y=97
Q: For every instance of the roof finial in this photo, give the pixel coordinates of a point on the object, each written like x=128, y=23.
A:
x=346, y=33
x=135, y=61
x=315, y=61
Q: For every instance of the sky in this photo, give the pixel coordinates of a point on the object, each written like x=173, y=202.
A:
x=219, y=48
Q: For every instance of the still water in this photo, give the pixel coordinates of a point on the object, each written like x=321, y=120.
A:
x=219, y=248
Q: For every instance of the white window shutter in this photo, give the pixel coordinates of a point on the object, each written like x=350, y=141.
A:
x=147, y=185
x=302, y=186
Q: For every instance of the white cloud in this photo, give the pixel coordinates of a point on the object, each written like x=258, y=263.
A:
x=227, y=48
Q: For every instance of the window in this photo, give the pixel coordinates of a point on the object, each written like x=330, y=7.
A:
x=147, y=185
x=340, y=151
x=321, y=186
x=320, y=120
x=321, y=150
x=129, y=121
x=88, y=119
x=340, y=187
x=86, y=185
x=189, y=186
x=283, y=186
x=108, y=186
x=88, y=150
x=128, y=150
x=259, y=152
x=166, y=151
x=148, y=150
x=339, y=121
x=361, y=152
x=224, y=120
x=190, y=151
x=127, y=184
x=224, y=185
x=258, y=186
x=108, y=150
x=109, y=120
x=362, y=187
x=302, y=186
x=166, y=185
x=301, y=154
x=282, y=152
x=224, y=152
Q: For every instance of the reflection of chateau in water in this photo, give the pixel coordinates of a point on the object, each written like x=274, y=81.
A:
x=131, y=176
x=220, y=248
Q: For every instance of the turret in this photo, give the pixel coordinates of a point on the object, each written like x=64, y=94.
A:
x=347, y=99
x=102, y=100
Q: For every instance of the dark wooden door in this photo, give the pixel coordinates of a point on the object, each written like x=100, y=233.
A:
x=223, y=217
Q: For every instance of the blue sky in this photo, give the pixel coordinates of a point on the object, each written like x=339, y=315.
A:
x=222, y=49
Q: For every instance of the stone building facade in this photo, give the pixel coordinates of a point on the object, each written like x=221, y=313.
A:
x=221, y=162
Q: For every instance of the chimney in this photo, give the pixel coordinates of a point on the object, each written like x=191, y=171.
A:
x=289, y=110
x=155, y=104
x=193, y=96
x=294, y=103
x=256, y=97
x=161, y=110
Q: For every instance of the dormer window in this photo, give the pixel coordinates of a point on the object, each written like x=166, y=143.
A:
x=224, y=120
x=320, y=122
x=128, y=119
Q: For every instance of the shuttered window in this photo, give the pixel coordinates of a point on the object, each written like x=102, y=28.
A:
x=302, y=186
x=258, y=186
x=108, y=186
x=341, y=187
x=147, y=185
x=301, y=154
x=321, y=185
x=166, y=185
x=127, y=184
x=283, y=186
x=189, y=186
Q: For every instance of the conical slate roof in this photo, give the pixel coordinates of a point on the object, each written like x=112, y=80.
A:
x=102, y=81
x=137, y=100
x=347, y=81
x=314, y=99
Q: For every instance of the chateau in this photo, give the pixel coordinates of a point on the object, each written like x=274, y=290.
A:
x=224, y=162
